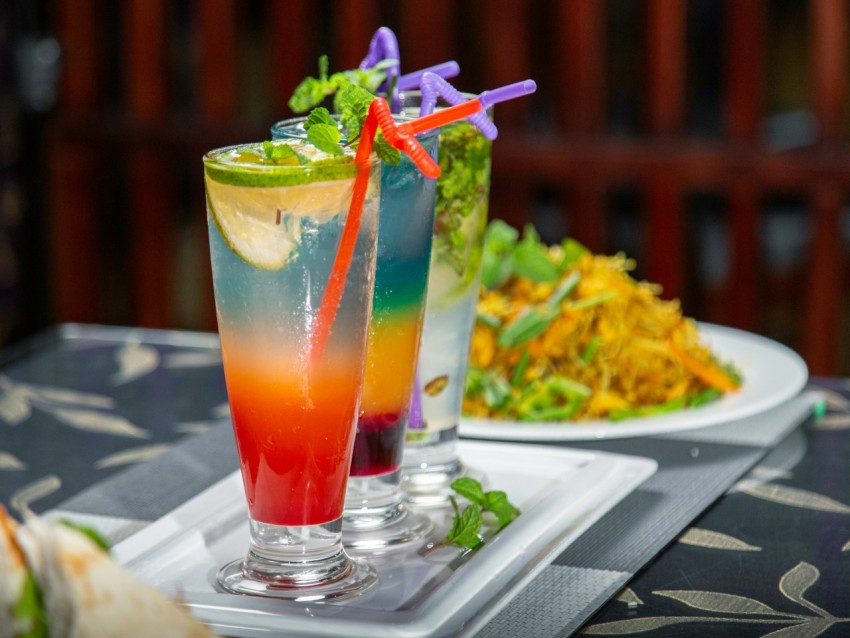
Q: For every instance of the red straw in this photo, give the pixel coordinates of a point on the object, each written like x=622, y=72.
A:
x=401, y=137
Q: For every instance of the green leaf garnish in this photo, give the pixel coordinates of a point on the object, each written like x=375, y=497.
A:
x=319, y=115
x=531, y=259
x=590, y=350
x=282, y=154
x=572, y=251
x=488, y=320
x=352, y=103
x=311, y=92
x=388, y=154
x=466, y=530
x=325, y=137
x=551, y=399
x=466, y=526
x=520, y=368
x=29, y=612
x=499, y=242
x=496, y=501
x=470, y=489
x=91, y=533
x=525, y=327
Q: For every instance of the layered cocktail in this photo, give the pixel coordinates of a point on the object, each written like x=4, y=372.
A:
x=431, y=459
x=277, y=214
x=375, y=519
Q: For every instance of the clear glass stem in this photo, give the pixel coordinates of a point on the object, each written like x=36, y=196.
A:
x=376, y=520
x=305, y=562
x=430, y=465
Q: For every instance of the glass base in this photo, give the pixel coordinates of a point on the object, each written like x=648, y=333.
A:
x=300, y=563
x=428, y=472
x=375, y=520
x=350, y=583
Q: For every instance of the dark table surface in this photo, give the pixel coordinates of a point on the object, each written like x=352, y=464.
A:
x=769, y=558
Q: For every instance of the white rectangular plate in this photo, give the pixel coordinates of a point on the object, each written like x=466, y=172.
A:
x=560, y=492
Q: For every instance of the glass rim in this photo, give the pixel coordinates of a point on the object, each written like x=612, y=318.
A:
x=258, y=175
x=280, y=125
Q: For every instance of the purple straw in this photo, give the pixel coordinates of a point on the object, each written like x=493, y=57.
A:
x=433, y=85
x=384, y=46
x=413, y=80
x=414, y=417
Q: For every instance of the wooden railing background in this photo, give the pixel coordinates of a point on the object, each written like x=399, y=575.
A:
x=149, y=85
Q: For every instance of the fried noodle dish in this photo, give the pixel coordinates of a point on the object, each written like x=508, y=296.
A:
x=566, y=335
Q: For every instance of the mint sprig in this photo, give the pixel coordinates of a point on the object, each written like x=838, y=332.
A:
x=353, y=92
x=466, y=530
x=312, y=91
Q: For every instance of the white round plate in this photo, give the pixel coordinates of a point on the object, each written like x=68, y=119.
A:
x=772, y=374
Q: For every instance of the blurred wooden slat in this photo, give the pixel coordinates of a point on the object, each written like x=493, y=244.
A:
x=428, y=37
x=664, y=256
x=149, y=202
x=505, y=27
x=579, y=90
x=73, y=170
x=824, y=284
x=218, y=34
x=829, y=72
x=744, y=69
x=138, y=118
x=354, y=22
x=823, y=281
x=291, y=32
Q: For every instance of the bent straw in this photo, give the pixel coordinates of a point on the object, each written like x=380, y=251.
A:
x=379, y=115
x=413, y=80
x=384, y=46
x=433, y=85
x=402, y=137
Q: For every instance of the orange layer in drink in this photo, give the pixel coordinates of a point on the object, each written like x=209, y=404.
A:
x=392, y=346
x=294, y=423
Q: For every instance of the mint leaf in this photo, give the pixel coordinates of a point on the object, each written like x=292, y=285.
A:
x=470, y=489
x=496, y=501
x=496, y=265
x=388, y=154
x=352, y=103
x=319, y=115
x=370, y=79
x=283, y=154
x=466, y=530
x=326, y=138
x=312, y=91
x=466, y=525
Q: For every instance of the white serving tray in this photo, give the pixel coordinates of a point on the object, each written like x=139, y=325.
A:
x=561, y=493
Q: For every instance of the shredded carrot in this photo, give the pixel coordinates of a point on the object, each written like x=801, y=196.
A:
x=709, y=373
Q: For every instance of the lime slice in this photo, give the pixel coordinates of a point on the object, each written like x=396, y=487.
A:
x=263, y=224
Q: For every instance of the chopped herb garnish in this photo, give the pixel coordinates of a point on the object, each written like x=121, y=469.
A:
x=525, y=327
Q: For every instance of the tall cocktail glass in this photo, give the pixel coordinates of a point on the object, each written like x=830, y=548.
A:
x=431, y=460
x=376, y=519
x=274, y=231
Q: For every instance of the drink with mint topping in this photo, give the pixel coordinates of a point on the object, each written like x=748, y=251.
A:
x=276, y=215
x=431, y=460
x=375, y=518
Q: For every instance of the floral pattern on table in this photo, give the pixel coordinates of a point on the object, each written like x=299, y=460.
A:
x=771, y=558
x=109, y=399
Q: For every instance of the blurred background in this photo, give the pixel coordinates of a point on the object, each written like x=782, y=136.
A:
x=705, y=138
